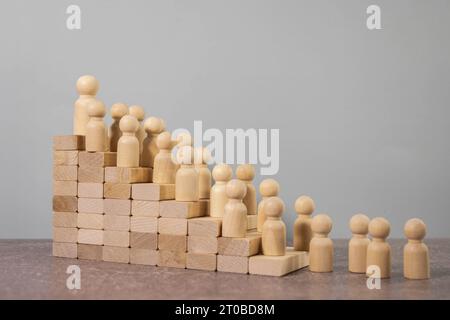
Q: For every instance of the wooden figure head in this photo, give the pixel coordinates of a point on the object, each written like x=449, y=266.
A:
x=164, y=141
x=128, y=124
x=222, y=172
x=154, y=125
x=236, y=189
x=137, y=112
x=304, y=205
x=245, y=172
x=274, y=207
x=269, y=188
x=96, y=109
x=118, y=110
x=415, y=229
x=87, y=85
x=321, y=224
x=359, y=224
x=379, y=228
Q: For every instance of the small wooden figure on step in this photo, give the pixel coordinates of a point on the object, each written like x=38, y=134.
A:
x=87, y=87
x=246, y=173
x=274, y=229
x=234, y=223
x=153, y=127
x=378, y=250
x=95, y=128
x=201, y=160
x=321, y=247
x=357, y=246
x=139, y=113
x=186, y=178
x=222, y=174
x=304, y=206
x=128, y=145
x=416, y=260
x=118, y=110
x=267, y=188
x=164, y=167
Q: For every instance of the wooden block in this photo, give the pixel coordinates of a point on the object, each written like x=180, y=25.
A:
x=117, y=190
x=245, y=247
x=144, y=240
x=144, y=224
x=117, y=207
x=172, y=226
x=232, y=264
x=90, y=190
x=90, y=236
x=97, y=159
x=91, y=174
x=65, y=203
x=116, y=254
x=172, y=242
x=65, y=188
x=90, y=252
x=65, y=234
x=278, y=265
x=116, y=238
x=65, y=158
x=65, y=219
x=153, y=191
x=144, y=256
x=252, y=221
x=205, y=227
x=128, y=175
x=90, y=221
x=181, y=209
x=173, y=259
x=64, y=250
x=116, y=223
x=64, y=143
x=65, y=173
x=145, y=208
x=198, y=244
x=199, y=261
x=88, y=205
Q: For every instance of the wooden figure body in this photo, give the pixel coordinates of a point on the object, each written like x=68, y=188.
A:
x=164, y=168
x=267, y=188
x=274, y=229
x=357, y=246
x=139, y=113
x=128, y=145
x=202, y=157
x=118, y=110
x=221, y=173
x=304, y=206
x=87, y=87
x=321, y=247
x=416, y=260
x=95, y=128
x=153, y=127
x=378, y=250
x=186, y=178
x=246, y=173
x=182, y=139
x=234, y=223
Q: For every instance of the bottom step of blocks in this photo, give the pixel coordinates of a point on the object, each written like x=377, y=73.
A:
x=201, y=261
x=90, y=252
x=64, y=250
x=116, y=254
x=278, y=265
x=172, y=259
x=234, y=264
x=144, y=256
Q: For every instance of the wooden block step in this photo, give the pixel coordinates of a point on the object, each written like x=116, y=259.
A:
x=116, y=223
x=65, y=204
x=90, y=221
x=252, y=221
x=172, y=259
x=184, y=210
x=65, y=143
x=172, y=226
x=144, y=224
x=233, y=264
x=65, y=219
x=97, y=159
x=116, y=238
x=144, y=256
x=245, y=247
x=65, y=188
x=90, y=252
x=65, y=158
x=65, y=234
x=90, y=236
x=199, y=261
x=90, y=205
x=117, y=190
x=205, y=227
x=116, y=254
x=118, y=207
x=203, y=245
x=153, y=191
x=278, y=265
x=91, y=174
x=64, y=250
x=144, y=240
x=65, y=173
x=172, y=242
x=90, y=190
x=145, y=208
x=128, y=175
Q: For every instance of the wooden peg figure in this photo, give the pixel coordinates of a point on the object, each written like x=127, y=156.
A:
x=221, y=173
x=95, y=128
x=153, y=127
x=202, y=157
x=267, y=188
x=378, y=250
x=182, y=139
x=139, y=113
x=186, y=178
x=234, y=223
x=118, y=110
x=304, y=206
x=246, y=173
x=165, y=168
x=128, y=145
x=416, y=260
x=357, y=246
x=321, y=247
x=274, y=229
x=87, y=87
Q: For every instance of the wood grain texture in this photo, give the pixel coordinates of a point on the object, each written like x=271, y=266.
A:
x=90, y=190
x=97, y=159
x=172, y=226
x=64, y=250
x=172, y=242
x=198, y=244
x=116, y=238
x=252, y=221
x=205, y=227
x=145, y=208
x=144, y=224
x=233, y=264
x=118, y=207
x=278, y=265
x=66, y=143
x=65, y=173
x=65, y=188
x=116, y=254
x=90, y=221
x=144, y=256
x=65, y=204
x=248, y=246
x=65, y=219
x=183, y=209
x=65, y=158
x=90, y=252
x=65, y=234
x=116, y=223
x=144, y=240
x=128, y=175
x=199, y=261
x=153, y=191
x=91, y=174
x=88, y=205
x=117, y=190
x=172, y=259
x=90, y=236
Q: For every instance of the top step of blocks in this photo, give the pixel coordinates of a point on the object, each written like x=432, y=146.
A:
x=97, y=159
x=63, y=143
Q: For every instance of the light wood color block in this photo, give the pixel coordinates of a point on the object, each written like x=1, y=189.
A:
x=90, y=236
x=199, y=244
x=247, y=246
x=65, y=173
x=68, y=143
x=91, y=174
x=118, y=207
x=153, y=191
x=65, y=188
x=117, y=190
x=172, y=259
x=65, y=219
x=144, y=240
x=379, y=250
x=199, y=261
x=90, y=221
x=183, y=209
x=65, y=234
x=116, y=238
x=128, y=175
x=116, y=254
x=302, y=233
x=90, y=252
x=65, y=204
x=416, y=259
x=65, y=158
x=88, y=205
x=233, y=264
x=64, y=250
x=278, y=265
x=144, y=256
x=172, y=242
x=97, y=159
x=145, y=208
x=252, y=221
x=205, y=227
x=116, y=223
x=90, y=190
x=357, y=246
x=172, y=226
x=144, y=224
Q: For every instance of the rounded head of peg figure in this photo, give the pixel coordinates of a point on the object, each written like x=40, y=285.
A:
x=87, y=85
x=379, y=228
x=154, y=125
x=128, y=124
x=236, y=189
x=96, y=109
x=321, y=224
x=222, y=172
x=274, y=207
x=164, y=141
x=118, y=110
x=304, y=205
x=359, y=224
x=137, y=112
x=269, y=188
x=415, y=229
x=185, y=155
x=245, y=172
x=184, y=139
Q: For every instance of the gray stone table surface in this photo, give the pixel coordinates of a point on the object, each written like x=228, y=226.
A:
x=28, y=271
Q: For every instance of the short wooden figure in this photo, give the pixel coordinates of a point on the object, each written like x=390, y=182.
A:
x=274, y=229
x=221, y=173
x=234, y=223
x=95, y=128
x=139, y=113
x=153, y=127
x=357, y=246
x=304, y=206
x=202, y=157
x=378, y=250
x=246, y=173
x=416, y=260
x=164, y=167
x=321, y=247
x=118, y=110
x=186, y=178
x=87, y=87
x=267, y=188
x=128, y=145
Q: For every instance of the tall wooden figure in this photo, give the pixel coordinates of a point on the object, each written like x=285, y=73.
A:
x=267, y=188
x=416, y=260
x=221, y=173
x=118, y=110
x=321, y=247
x=378, y=250
x=202, y=157
x=128, y=145
x=246, y=173
x=274, y=229
x=234, y=223
x=357, y=246
x=153, y=127
x=186, y=178
x=164, y=168
x=304, y=206
x=139, y=113
x=95, y=128
x=87, y=87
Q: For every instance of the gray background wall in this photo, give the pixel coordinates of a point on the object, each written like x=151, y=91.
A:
x=363, y=115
